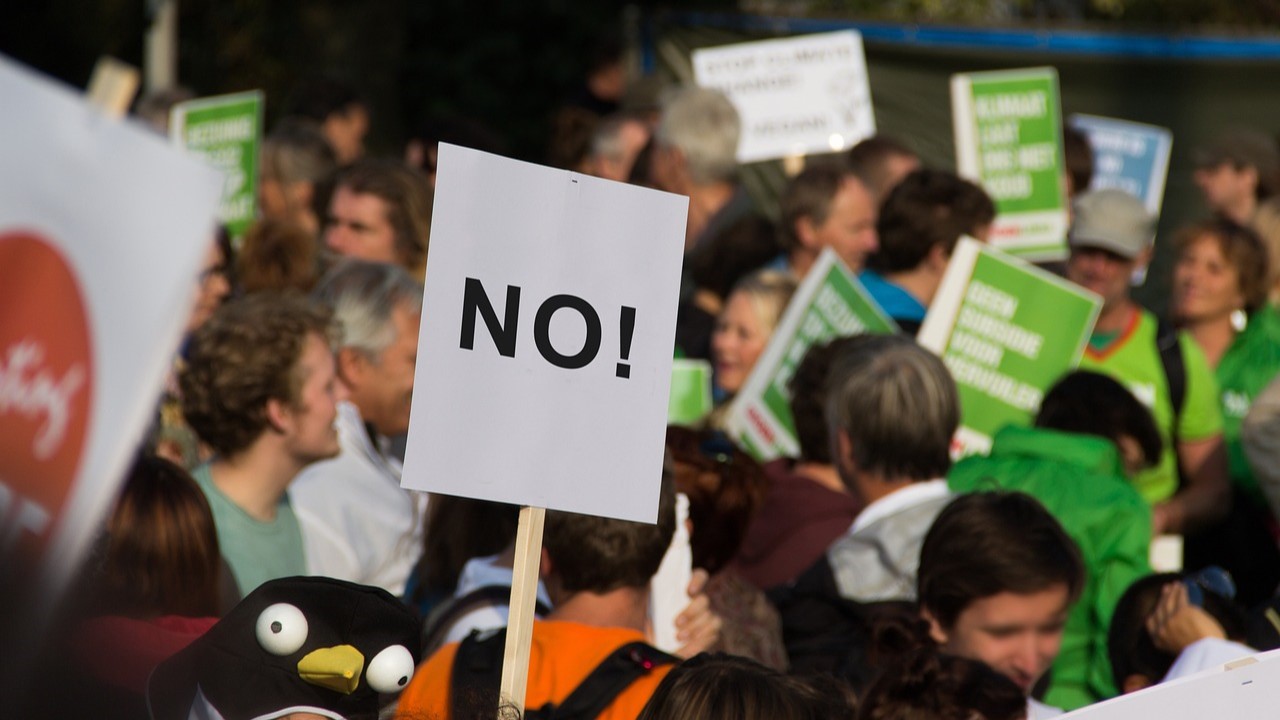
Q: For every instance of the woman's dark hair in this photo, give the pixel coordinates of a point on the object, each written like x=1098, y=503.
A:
x=725, y=488
x=1129, y=645
x=1091, y=403
x=161, y=552
x=459, y=529
x=929, y=685
x=716, y=686
x=1243, y=249
x=987, y=543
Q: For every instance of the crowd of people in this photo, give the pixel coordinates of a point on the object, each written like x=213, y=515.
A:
x=262, y=559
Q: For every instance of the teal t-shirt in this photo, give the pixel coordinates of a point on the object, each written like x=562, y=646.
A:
x=1134, y=361
x=1246, y=368
x=256, y=551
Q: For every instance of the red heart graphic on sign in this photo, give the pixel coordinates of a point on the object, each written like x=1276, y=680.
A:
x=46, y=386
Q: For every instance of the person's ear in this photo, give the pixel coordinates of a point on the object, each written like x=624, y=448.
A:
x=935, y=628
x=937, y=259
x=844, y=453
x=352, y=366
x=1131, y=454
x=1134, y=683
x=279, y=415
x=807, y=233
x=546, y=567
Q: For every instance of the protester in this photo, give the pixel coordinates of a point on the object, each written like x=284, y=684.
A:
x=997, y=578
x=892, y=409
x=1110, y=238
x=1238, y=174
x=597, y=573
x=171, y=437
x=826, y=207
x=1260, y=437
x=157, y=584
x=357, y=523
x=920, y=222
x=259, y=389
x=728, y=687
x=726, y=488
x=296, y=160
x=296, y=647
x=1089, y=436
x=381, y=211
x=935, y=686
x=1219, y=295
x=695, y=154
x=881, y=162
x=713, y=273
x=1077, y=155
x=615, y=145
x=745, y=325
x=278, y=256
x=1156, y=628
x=465, y=544
x=806, y=506
x=340, y=112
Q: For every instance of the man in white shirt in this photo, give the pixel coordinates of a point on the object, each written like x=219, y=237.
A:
x=358, y=524
x=892, y=409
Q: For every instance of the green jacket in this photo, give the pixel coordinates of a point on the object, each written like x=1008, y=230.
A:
x=1080, y=480
x=1248, y=366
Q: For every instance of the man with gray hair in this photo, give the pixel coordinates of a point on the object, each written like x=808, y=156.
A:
x=358, y=524
x=892, y=409
x=696, y=154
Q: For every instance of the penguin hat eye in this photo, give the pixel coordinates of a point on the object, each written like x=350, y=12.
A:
x=390, y=670
x=281, y=629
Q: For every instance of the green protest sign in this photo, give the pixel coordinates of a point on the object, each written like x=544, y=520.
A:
x=690, y=391
x=225, y=131
x=829, y=303
x=1008, y=331
x=1008, y=130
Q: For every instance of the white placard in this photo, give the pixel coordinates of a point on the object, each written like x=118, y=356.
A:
x=103, y=228
x=547, y=336
x=669, y=588
x=1242, y=690
x=796, y=96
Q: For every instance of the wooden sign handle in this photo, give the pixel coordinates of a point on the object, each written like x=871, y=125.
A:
x=524, y=592
x=112, y=87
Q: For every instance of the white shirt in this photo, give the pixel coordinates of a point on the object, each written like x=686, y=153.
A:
x=484, y=572
x=912, y=494
x=1037, y=710
x=1205, y=654
x=357, y=523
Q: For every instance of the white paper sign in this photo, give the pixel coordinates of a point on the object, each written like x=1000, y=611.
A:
x=103, y=228
x=795, y=96
x=1242, y=690
x=547, y=337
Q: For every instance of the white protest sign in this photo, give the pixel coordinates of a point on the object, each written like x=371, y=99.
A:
x=1128, y=156
x=103, y=227
x=796, y=96
x=547, y=338
x=669, y=587
x=1242, y=690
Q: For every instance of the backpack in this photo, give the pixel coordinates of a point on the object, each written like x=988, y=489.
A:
x=1175, y=370
x=477, y=675
x=445, y=615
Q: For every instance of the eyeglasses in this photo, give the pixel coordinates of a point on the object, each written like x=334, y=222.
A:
x=1214, y=579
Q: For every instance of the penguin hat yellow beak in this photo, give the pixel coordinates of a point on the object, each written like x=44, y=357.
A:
x=337, y=668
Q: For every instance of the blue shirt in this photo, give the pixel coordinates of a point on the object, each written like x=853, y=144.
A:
x=896, y=302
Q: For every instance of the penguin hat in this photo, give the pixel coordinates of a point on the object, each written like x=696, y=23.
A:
x=294, y=645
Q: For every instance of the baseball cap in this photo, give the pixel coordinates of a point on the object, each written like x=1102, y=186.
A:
x=1112, y=220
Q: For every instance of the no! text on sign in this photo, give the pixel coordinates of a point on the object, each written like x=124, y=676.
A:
x=546, y=342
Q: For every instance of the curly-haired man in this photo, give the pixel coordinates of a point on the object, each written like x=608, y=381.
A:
x=259, y=389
